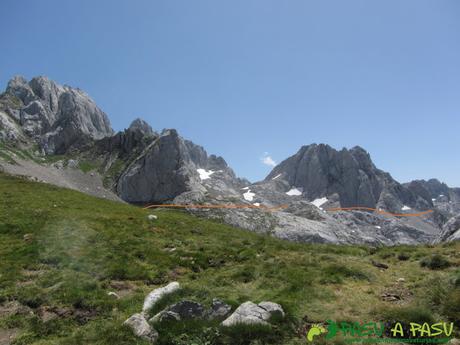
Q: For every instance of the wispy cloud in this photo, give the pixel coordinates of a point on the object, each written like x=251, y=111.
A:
x=268, y=160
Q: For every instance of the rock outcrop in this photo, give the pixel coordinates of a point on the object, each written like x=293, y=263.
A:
x=444, y=198
x=57, y=117
x=450, y=230
x=320, y=171
x=170, y=167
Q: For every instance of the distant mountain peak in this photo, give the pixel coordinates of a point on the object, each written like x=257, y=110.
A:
x=142, y=126
x=321, y=170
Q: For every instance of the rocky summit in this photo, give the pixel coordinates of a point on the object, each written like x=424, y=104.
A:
x=49, y=132
x=347, y=176
x=57, y=117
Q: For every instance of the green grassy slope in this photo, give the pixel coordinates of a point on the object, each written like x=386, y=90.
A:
x=61, y=252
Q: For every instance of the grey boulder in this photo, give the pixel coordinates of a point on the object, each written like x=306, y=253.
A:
x=183, y=310
x=141, y=328
x=219, y=309
x=250, y=313
x=156, y=295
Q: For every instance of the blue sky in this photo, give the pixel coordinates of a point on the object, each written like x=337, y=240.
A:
x=247, y=77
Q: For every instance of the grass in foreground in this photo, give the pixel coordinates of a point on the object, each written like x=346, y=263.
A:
x=62, y=252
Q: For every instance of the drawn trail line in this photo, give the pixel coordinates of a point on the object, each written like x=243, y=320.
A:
x=358, y=208
x=271, y=209
x=263, y=208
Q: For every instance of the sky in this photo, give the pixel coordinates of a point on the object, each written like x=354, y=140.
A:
x=254, y=80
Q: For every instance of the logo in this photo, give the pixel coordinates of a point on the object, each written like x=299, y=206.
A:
x=314, y=331
x=378, y=332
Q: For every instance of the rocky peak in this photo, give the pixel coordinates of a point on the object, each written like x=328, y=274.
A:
x=19, y=88
x=57, y=117
x=168, y=168
x=434, y=187
x=139, y=125
x=321, y=171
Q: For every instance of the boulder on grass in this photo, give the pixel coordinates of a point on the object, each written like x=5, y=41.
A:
x=183, y=310
x=141, y=328
x=250, y=313
x=219, y=309
x=157, y=294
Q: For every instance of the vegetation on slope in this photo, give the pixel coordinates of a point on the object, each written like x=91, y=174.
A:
x=62, y=252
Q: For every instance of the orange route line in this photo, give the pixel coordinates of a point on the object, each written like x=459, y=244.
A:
x=379, y=211
x=271, y=209
x=265, y=208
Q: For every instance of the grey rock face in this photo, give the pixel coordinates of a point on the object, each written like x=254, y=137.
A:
x=57, y=117
x=169, y=168
x=451, y=230
x=157, y=175
x=321, y=170
x=139, y=125
x=9, y=129
x=445, y=199
x=131, y=141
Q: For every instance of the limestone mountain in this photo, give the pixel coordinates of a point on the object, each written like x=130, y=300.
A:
x=56, y=117
x=347, y=176
x=169, y=167
x=58, y=135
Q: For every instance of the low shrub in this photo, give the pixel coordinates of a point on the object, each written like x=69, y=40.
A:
x=435, y=262
x=403, y=256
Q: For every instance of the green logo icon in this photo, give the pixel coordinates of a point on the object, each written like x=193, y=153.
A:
x=314, y=331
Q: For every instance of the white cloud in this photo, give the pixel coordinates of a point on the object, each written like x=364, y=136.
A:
x=268, y=160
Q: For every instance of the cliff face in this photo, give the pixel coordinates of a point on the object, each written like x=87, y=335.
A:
x=320, y=170
x=169, y=167
x=57, y=117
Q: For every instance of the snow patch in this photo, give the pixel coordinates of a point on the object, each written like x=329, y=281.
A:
x=433, y=199
x=319, y=202
x=245, y=188
x=405, y=208
x=294, y=191
x=256, y=204
x=205, y=174
x=276, y=176
x=249, y=196
x=378, y=226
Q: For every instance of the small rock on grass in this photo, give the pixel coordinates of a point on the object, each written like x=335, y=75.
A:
x=141, y=328
x=113, y=294
x=157, y=294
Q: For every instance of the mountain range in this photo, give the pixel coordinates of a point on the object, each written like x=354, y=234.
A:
x=58, y=134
